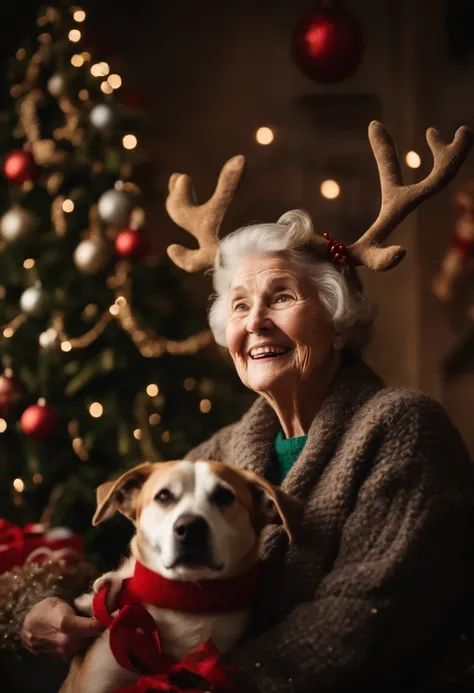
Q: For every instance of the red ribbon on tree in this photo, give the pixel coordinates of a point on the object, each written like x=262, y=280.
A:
x=135, y=644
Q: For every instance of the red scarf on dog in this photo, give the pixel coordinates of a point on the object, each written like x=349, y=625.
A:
x=134, y=638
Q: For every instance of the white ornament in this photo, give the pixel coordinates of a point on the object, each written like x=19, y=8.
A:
x=57, y=85
x=102, y=117
x=92, y=255
x=16, y=224
x=33, y=301
x=114, y=208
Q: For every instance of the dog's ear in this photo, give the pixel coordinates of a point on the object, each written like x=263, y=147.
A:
x=274, y=505
x=121, y=494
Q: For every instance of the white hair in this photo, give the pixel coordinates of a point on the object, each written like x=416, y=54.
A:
x=350, y=311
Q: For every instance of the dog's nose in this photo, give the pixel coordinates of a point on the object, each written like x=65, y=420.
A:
x=191, y=529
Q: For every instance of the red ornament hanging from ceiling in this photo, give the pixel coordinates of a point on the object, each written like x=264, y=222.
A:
x=327, y=43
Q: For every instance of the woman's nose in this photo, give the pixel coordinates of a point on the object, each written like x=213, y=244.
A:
x=258, y=321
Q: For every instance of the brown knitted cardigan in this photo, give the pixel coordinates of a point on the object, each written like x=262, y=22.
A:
x=368, y=596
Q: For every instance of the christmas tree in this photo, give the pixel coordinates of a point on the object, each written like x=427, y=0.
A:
x=105, y=362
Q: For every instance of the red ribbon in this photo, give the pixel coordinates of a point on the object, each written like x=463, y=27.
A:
x=200, y=597
x=135, y=644
x=16, y=544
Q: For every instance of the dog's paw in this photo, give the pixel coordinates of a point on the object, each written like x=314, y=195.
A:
x=114, y=583
x=84, y=603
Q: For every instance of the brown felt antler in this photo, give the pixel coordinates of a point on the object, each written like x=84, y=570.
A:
x=202, y=221
x=399, y=200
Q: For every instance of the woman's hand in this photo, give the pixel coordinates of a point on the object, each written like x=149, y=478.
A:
x=53, y=627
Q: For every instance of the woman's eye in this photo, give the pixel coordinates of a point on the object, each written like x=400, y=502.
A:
x=164, y=496
x=282, y=298
x=240, y=306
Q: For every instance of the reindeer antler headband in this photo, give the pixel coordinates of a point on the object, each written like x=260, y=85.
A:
x=398, y=201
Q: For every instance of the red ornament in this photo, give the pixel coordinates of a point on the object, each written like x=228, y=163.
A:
x=130, y=243
x=9, y=392
x=20, y=166
x=39, y=421
x=327, y=44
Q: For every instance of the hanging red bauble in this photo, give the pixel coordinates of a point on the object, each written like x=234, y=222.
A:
x=39, y=421
x=130, y=243
x=20, y=167
x=9, y=392
x=327, y=44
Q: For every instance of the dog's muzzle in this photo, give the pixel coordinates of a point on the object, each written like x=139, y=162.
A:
x=191, y=536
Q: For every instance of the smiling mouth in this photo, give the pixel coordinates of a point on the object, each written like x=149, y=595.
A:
x=268, y=352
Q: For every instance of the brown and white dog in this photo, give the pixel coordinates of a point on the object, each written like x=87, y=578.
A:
x=195, y=521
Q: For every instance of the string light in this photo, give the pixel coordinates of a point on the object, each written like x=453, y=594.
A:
x=152, y=390
x=8, y=332
x=29, y=263
x=100, y=70
x=3, y=292
x=137, y=434
x=330, y=189
x=264, y=136
x=3, y=425
x=66, y=346
x=205, y=406
x=76, y=444
x=96, y=410
x=114, y=310
x=154, y=419
x=115, y=81
x=413, y=159
x=129, y=141
x=79, y=16
x=68, y=206
x=86, y=55
x=21, y=54
x=189, y=384
x=77, y=60
x=106, y=88
x=47, y=338
x=166, y=437
x=74, y=35
x=37, y=478
x=83, y=95
x=19, y=485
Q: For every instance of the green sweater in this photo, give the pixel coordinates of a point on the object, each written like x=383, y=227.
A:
x=287, y=452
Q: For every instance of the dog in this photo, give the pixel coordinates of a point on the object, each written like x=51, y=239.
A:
x=195, y=522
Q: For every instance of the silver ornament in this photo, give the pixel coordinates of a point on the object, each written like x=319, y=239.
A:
x=57, y=85
x=114, y=208
x=33, y=301
x=17, y=224
x=92, y=255
x=102, y=117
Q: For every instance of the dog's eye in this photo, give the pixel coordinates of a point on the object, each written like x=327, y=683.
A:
x=164, y=496
x=222, y=496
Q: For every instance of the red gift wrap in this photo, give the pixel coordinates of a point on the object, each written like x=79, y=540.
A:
x=34, y=543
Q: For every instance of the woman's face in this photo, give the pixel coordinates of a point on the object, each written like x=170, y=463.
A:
x=278, y=332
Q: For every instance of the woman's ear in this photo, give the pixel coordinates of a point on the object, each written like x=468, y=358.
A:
x=121, y=494
x=274, y=505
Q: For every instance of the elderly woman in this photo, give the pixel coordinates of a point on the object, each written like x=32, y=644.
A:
x=373, y=592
